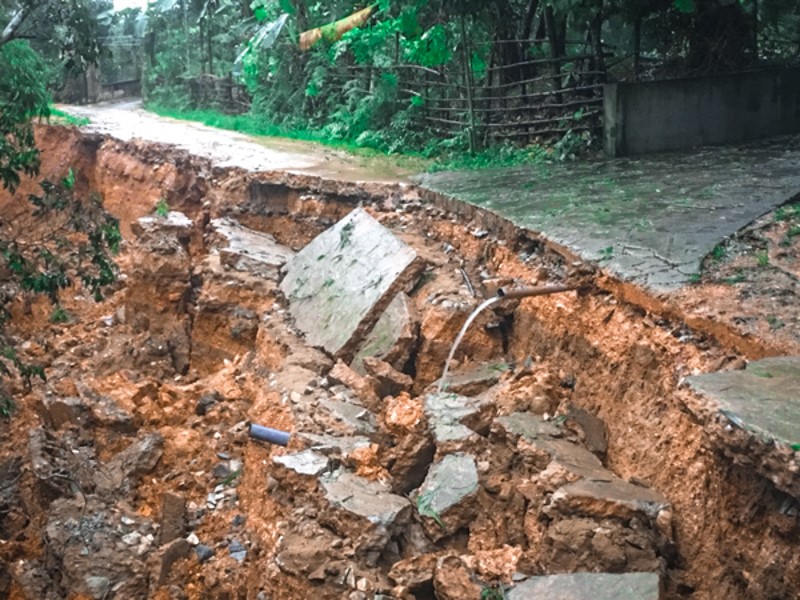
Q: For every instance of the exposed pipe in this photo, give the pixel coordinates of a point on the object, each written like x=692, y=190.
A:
x=267, y=434
x=529, y=292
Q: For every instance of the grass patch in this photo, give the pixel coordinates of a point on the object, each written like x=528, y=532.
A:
x=59, y=315
x=787, y=212
x=448, y=160
x=606, y=254
x=61, y=117
x=493, y=158
x=792, y=233
x=762, y=259
x=718, y=253
x=774, y=322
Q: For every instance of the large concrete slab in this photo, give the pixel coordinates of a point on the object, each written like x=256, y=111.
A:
x=340, y=283
x=764, y=398
x=597, y=586
x=649, y=220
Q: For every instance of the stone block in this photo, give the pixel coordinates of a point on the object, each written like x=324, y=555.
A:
x=763, y=399
x=243, y=249
x=339, y=285
x=455, y=419
x=393, y=337
x=363, y=510
x=446, y=499
x=597, y=586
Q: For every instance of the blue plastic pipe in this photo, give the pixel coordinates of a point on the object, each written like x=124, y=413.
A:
x=267, y=434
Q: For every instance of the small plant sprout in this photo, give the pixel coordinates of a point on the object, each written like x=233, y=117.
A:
x=606, y=254
x=59, y=315
x=718, y=253
x=762, y=258
x=494, y=592
x=162, y=208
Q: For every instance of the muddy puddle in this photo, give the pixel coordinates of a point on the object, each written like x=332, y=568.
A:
x=561, y=459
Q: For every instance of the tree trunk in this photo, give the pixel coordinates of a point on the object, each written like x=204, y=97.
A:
x=596, y=32
x=637, y=47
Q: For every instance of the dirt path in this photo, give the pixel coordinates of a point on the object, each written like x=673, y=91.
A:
x=128, y=121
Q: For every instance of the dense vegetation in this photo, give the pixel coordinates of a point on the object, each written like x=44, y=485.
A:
x=50, y=239
x=357, y=85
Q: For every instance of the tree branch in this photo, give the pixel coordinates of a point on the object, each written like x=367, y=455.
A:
x=13, y=25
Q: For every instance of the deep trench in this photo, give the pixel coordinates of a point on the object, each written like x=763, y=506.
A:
x=727, y=533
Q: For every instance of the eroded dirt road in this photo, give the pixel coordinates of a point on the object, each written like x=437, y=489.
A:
x=565, y=442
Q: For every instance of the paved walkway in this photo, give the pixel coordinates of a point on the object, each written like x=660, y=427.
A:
x=649, y=220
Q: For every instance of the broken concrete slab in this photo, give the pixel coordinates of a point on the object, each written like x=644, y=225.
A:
x=308, y=463
x=540, y=439
x=455, y=419
x=173, y=222
x=598, y=586
x=354, y=418
x=364, y=510
x=527, y=425
x=125, y=468
x=392, y=338
x=243, y=249
x=752, y=417
x=445, y=500
x=475, y=381
x=173, y=517
x=762, y=399
x=340, y=283
x=389, y=381
x=608, y=498
x=332, y=446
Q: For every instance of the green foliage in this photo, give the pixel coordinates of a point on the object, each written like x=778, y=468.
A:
x=59, y=315
x=162, y=208
x=23, y=97
x=61, y=237
x=762, y=259
x=774, y=322
x=62, y=117
x=718, y=253
x=497, y=592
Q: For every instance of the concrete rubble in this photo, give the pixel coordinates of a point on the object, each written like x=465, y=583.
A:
x=340, y=283
x=387, y=489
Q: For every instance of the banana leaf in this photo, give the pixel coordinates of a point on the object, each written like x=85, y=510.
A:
x=334, y=31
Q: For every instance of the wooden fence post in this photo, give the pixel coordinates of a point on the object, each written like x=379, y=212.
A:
x=468, y=83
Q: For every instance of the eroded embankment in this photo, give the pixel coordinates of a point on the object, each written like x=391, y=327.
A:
x=134, y=458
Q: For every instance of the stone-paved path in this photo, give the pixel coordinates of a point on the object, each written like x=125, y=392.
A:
x=650, y=220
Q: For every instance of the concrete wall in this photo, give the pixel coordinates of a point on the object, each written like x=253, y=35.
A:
x=647, y=117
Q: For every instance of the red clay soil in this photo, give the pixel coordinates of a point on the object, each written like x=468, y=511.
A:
x=596, y=351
